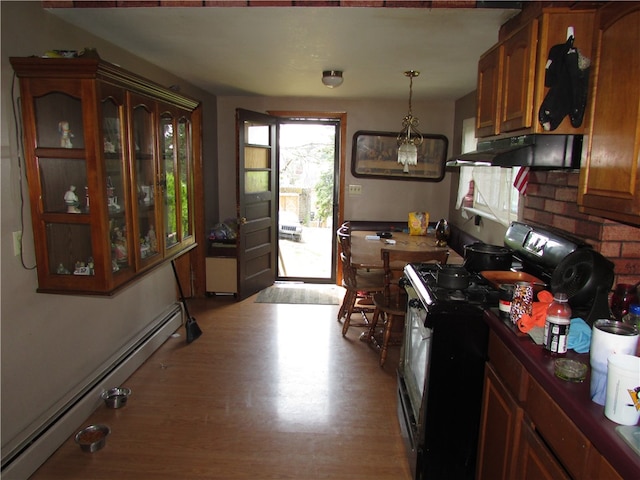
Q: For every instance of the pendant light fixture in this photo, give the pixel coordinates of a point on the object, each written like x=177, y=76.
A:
x=409, y=138
x=332, y=78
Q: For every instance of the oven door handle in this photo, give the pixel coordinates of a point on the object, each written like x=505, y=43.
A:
x=416, y=303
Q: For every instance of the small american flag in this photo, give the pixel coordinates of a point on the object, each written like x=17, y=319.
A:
x=522, y=180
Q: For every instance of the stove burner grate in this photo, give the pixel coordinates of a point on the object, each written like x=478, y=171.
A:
x=478, y=293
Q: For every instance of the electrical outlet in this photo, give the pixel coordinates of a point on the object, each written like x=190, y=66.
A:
x=355, y=189
x=17, y=242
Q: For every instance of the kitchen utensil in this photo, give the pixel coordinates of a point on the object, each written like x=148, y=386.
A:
x=191, y=326
x=443, y=232
x=92, y=438
x=608, y=337
x=586, y=277
x=116, y=397
x=621, y=404
x=503, y=277
x=454, y=277
x=481, y=256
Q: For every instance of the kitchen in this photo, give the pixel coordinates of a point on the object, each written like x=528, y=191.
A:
x=551, y=200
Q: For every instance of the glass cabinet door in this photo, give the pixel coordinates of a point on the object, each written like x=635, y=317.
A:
x=168, y=152
x=113, y=153
x=59, y=121
x=145, y=178
x=184, y=155
x=62, y=171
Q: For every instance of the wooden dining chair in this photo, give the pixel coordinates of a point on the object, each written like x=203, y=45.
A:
x=391, y=302
x=360, y=285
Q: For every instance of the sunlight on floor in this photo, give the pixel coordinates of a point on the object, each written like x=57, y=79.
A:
x=303, y=367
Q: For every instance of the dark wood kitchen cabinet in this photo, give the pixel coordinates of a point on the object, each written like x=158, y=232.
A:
x=109, y=159
x=610, y=175
x=511, y=74
x=488, y=92
x=534, y=460
x=499, y=430
x=524, y=433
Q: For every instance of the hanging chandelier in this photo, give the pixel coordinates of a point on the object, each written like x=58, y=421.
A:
x=409, y=138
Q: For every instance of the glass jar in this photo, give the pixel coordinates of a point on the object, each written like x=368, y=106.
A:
x=633, y=318
x=623, y=296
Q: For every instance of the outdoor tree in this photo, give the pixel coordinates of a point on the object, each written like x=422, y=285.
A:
x=324, y=195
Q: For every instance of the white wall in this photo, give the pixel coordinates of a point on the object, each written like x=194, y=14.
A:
x=52, y=344
x=389, y=200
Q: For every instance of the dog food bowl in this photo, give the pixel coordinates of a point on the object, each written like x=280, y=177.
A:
x=92, y=438
x=116, y=397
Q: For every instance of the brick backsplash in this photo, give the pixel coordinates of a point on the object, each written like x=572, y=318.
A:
x=552, y=200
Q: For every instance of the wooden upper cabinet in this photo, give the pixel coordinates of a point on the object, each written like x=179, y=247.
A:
x=109, y=160
x=511, y=74
x=519, y=53
x=489, y=92
x=610, y=176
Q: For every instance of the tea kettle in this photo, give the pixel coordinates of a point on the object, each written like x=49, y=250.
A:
x=443, y=232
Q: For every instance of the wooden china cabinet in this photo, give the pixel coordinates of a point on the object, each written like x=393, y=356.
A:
x=109, y=158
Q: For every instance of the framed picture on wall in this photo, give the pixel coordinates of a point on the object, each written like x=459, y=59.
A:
x=375, y=155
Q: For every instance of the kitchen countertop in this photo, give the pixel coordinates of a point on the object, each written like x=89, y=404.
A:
x=573, y=398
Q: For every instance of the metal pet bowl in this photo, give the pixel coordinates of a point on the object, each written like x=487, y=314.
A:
x=116, y=397
x=92, y=438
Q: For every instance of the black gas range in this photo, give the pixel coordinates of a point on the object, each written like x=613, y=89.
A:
x=441, y=371
x=423, y=277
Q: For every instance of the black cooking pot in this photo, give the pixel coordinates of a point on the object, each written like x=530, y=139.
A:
x=455, y=277
x=481, y=256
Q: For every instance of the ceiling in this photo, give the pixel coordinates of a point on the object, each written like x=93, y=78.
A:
x=282, y=51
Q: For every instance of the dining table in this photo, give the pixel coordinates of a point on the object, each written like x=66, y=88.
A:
x=366, y=247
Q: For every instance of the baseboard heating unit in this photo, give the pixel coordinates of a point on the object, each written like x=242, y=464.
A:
x=26, y=458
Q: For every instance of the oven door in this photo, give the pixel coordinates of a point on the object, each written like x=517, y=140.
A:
x=412, y=377
x=416, y=348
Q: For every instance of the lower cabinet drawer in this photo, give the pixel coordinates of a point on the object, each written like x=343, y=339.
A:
x=563, y=437
x=510, y=370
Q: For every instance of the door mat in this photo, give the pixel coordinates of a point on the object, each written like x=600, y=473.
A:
x=302, y=294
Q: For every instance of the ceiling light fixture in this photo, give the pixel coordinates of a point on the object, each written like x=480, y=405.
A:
x=409, y=138
x=332, y=78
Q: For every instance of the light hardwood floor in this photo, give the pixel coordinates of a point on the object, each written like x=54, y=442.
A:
x=268, y=391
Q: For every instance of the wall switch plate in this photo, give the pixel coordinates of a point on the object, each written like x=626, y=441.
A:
x=17, y=242
x=355, y=189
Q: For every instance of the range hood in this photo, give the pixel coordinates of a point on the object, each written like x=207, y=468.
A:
x=544, y=151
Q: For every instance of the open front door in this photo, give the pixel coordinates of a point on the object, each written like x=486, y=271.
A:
x=256, y=134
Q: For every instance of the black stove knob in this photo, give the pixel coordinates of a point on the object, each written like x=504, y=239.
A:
x=403, y=282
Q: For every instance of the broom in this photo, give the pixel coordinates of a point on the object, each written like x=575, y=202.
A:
x=192, y=328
